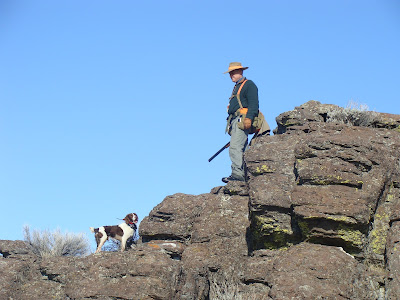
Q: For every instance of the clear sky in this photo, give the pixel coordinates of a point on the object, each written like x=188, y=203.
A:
x=107, y=107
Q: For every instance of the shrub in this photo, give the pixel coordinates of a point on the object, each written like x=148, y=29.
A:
x=354, y=114
x=226, y=287
x=224, y=290
x=49, y=244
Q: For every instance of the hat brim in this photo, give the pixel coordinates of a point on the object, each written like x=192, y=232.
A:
x=236, y=68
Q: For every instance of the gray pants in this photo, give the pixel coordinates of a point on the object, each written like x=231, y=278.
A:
x=236, y=149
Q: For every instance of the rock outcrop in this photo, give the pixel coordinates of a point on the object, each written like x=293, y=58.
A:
x=319, y=218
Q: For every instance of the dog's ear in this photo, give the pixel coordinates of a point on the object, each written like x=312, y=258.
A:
x=127, y=218
x=135, y=218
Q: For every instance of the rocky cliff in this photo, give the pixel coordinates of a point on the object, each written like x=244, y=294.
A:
x=319, y=218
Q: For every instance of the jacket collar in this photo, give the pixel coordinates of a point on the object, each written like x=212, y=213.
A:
x=240, y=80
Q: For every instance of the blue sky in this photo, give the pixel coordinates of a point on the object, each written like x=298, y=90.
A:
x=107, y=107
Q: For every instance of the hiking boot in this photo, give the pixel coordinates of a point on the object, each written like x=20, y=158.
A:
x=230, y=178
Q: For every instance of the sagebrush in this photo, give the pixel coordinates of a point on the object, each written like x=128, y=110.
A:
x=355, y=114
x=48, y=244
x=225, y=287
x=224, y=290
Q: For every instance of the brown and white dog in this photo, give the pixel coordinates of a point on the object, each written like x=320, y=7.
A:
x=121, y=232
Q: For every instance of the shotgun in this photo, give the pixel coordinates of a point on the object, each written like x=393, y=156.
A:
x=219, y=151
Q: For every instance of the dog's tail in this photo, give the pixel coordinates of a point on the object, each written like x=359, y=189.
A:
x=92, y=229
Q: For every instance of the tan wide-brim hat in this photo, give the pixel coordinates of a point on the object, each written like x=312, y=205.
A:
x=235, y=66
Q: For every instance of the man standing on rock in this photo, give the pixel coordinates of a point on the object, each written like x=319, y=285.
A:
x=242, y=109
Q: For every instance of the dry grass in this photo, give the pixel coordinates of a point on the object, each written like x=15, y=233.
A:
x=355, y=114
x=224, y=290
x=227, y=288
x=49, y=244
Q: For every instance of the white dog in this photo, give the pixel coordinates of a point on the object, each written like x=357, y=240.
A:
x=121, y=232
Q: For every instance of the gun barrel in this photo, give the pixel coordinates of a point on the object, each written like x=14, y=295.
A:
x=219, y=151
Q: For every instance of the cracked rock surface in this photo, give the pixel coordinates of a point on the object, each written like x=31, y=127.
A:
x=319, y=218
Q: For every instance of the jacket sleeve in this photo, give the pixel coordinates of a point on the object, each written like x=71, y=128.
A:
x=252, y=100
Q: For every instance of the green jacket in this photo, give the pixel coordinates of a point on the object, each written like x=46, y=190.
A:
x=248, y=97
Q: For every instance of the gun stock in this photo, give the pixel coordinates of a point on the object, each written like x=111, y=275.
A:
x=219, y=151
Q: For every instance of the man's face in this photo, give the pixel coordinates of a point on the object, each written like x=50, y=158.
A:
x=236, y=75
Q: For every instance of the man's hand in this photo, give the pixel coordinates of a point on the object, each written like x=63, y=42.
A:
x=247, y=123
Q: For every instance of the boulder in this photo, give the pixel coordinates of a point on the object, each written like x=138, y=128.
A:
x=319, y=218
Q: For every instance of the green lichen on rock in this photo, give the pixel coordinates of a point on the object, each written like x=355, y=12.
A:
x=330, y=179
x=324, y=180
x=233, y=192
x=378, y=235
x=304, y=229
x=320, y=181
x=269, y=233
x=377, y=238
x=333, y=230
x=354, y=238
x=263, y=170
x=291, y=122
x=342, y=219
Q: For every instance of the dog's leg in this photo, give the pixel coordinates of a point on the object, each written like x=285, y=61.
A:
x=101, y=243
x=123, y=242
x=101, y=239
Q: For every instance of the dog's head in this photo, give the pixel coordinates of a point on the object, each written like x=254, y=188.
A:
x=131, y=218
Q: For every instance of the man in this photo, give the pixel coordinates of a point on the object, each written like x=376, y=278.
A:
x=248, y=98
